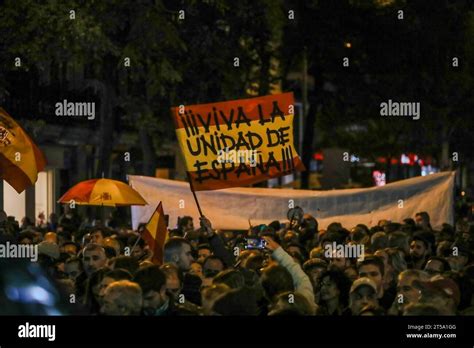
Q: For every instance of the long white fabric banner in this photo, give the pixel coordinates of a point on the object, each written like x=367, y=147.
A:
x=232, y=208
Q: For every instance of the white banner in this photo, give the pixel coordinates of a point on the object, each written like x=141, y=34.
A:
x=232, y=208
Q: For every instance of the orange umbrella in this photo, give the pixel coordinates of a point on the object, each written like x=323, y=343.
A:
x=103, y=192
x=20, y=158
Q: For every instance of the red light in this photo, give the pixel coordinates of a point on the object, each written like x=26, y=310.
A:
x=412, y=159
x=379, y=178
x=318, y=156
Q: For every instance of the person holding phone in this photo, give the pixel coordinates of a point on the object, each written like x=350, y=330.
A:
x=301, y=282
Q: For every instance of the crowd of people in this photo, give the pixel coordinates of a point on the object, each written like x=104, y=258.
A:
x=292, y=268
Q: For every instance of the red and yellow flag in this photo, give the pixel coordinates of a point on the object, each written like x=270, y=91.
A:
x=239, y=142
x=156, y=234
x=20, y=158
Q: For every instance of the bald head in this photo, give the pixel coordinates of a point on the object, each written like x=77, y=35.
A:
x=51, y=237
x=122, y=298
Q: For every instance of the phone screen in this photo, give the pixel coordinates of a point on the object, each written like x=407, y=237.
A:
x=255, y=243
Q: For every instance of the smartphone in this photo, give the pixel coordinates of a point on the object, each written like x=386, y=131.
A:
x=255, y=243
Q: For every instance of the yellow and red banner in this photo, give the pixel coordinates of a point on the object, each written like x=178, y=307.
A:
x=20, y=158
x=239, y=142
x=156, y=234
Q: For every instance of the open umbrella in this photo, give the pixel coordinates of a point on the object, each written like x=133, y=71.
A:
x=103, y=192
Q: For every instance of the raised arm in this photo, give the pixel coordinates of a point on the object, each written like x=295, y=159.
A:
x=301, y=280
x=217, y=244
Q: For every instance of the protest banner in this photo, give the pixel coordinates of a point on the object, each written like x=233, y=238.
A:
x=237, y=143
x=232, y=208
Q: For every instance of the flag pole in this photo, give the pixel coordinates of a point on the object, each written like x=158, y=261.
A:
x=134, y=245
x=194, y=194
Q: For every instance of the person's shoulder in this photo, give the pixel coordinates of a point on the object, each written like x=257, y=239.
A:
x=321, y=310
x=346, y=312
x=81, y=278
x=189, y=308
x=185, y=309
x=192, y=279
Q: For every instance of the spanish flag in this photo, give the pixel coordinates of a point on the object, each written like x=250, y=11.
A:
x=20, y=158
x=156, y=234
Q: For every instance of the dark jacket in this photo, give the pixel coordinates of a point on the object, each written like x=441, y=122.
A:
x=219, y=249
x=176, y=309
